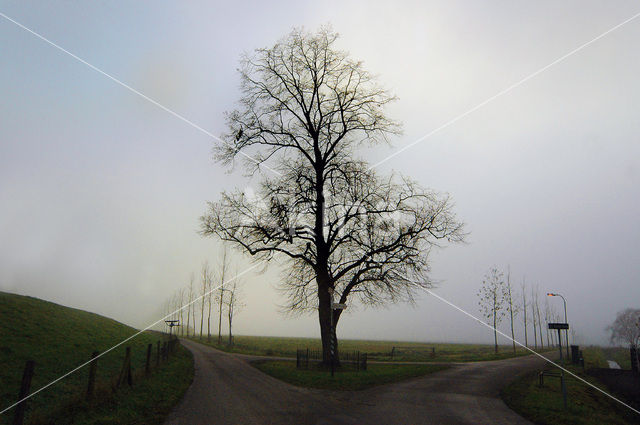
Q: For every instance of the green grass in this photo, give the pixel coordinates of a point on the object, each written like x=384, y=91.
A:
x=376, y=350
x=585, y=404
x=346, y=378
x=59, y=339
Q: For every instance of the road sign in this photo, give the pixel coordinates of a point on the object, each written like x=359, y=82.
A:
x=339, y=306
x=558, y=326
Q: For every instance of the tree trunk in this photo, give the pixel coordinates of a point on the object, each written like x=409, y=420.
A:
x=513, y=335
x=324, y=317
x=495, y=332
x=539, y=325
x=220, y=315
x=535, y=334
x=209, y=317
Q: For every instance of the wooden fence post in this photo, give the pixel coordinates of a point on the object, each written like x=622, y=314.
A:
x=92, y=375
x=27, y=375
x=158, y=355
x=125, y=373
x=147, y=365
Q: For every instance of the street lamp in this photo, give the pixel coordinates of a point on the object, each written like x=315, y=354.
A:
x=549, y=294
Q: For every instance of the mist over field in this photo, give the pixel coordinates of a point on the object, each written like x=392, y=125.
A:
x=101, y=191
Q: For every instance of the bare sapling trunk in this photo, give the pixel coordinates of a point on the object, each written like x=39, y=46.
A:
x=205, y=272
x=224, y=271
x=181, y=317
x=524, y=311
x=512, y=309
x=533, y=314
x=209, y=295
x=233, y=304
x=539, y=319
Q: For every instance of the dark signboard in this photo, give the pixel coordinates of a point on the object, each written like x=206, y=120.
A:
x=558, y=326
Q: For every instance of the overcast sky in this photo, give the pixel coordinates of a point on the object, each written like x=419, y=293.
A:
x=100, y=190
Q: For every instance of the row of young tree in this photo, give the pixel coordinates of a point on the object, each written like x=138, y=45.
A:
x=499, y=299
x=214, y=291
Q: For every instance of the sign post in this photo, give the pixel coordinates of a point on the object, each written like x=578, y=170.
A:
x=171, y=324
x=559, y=327
x=334, y=306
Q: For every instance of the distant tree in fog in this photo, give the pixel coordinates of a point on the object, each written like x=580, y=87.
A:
x=492, y=300
x=626, y=328
x=511, y=306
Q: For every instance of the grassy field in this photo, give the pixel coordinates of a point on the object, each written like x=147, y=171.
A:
x=585, y=404
x=598, y=356
x=59, y=339
x=346, y=378
x=376, y=350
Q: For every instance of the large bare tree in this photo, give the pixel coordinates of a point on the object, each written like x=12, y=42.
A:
x=343, y=229
x=626, y=327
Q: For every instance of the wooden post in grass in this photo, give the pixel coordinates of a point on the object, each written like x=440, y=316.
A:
x=125, y=373
x=92, y=375
x=27, y=375
x=158, y=355
x=147, y=365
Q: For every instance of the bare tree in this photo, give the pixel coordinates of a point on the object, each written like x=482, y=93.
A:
x=513, y=309
x=224, y=272
x=181, y=315
x=204, y=281
x=533, y=315
x=537, y=305
x=190, y=306
x=492, y=300
x=305, y=108
x=209, y=277
x=626, y=328
x=233, y=304
x=525, y=306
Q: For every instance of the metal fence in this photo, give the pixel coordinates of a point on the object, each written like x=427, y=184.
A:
x=305, y=357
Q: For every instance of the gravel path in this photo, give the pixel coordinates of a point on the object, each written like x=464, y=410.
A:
x=227, y=390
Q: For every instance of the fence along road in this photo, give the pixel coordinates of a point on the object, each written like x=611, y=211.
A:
x=227, y=390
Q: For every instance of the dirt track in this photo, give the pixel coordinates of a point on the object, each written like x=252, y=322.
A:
x=227, y=390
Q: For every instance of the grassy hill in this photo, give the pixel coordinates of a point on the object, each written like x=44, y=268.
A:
x=59, y=339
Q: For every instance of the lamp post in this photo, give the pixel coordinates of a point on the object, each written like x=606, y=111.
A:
x=565, y=317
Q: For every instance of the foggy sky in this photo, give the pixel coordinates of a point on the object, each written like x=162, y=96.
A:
x=100, y=190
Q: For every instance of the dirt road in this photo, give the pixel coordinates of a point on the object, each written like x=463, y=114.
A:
x=227, y=390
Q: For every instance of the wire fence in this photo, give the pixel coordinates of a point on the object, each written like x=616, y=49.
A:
x=306, y=358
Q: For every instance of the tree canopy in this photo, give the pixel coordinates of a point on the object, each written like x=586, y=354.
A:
x=305, y=109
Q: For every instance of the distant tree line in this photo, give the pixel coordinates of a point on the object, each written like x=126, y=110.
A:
x=214, y=290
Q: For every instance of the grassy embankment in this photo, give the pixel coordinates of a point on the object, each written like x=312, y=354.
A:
x=376, y=350
x=59, y=339
x=585, y=405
